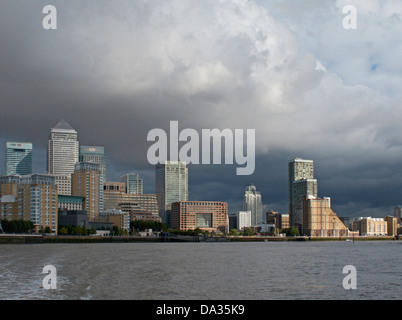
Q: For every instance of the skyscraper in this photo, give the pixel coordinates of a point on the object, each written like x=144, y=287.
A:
x=94, y=155
x=87, y=182
x=252, y=202
x=133, y=183
x=18, y=158
x=171, y=186
x=301, y=183
x=63, y=151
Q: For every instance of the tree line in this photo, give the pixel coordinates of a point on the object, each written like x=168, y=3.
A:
x=17, y=226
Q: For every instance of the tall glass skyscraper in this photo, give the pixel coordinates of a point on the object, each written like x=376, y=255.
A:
x=18, y=158
x=171, y=186
x=253, y=202
x=134, y=184
x=301, y=183
x=94, y=155
x=63, y=151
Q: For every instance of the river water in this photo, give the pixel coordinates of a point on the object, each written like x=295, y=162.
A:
x=216, y=271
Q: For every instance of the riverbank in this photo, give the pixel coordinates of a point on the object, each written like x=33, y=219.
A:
x=32, y=239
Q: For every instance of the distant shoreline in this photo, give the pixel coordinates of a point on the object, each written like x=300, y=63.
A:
x=35, y=239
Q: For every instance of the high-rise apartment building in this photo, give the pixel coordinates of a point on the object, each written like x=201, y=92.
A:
x=252, y=202
x=301, y=188
x=94, y=155
x=37, y=201
x=8, y=197
x=171, y=186
x=301, y=184
x=133, y=183
x=205, y=215
x=87, y=182
x=18, y=158
x=63, y=154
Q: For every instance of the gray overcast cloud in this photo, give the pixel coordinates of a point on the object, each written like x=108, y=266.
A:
x=114, y=70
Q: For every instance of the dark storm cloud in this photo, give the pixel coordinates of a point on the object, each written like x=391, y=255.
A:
x=114, y=70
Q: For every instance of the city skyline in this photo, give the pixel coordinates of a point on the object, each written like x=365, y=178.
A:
x=309, y=88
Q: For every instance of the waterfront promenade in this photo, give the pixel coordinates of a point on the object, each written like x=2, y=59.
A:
x=27, y=239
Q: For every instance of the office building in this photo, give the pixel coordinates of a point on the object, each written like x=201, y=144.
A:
x=320, y=221
x=398, y=213
x=280, y=221
x=252, y=202
x=37, y=201
x=301, y=184
x=243, y=219
x=171, y=186
x=211, y=216
x=70, y=203
x=139, y=206
x=133, y=183
x=18, y=158
x=63, y=153
x=87, y=182
x=94, y=155
x=113, y=194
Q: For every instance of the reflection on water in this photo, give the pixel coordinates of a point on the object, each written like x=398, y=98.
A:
x=217, y=271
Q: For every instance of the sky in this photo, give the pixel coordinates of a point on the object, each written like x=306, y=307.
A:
x=310, y=88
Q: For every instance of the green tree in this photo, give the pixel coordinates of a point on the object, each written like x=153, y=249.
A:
x=248, y=232
x=233, y=232
x=115, y=231
x=291, y=232
x=63, y=231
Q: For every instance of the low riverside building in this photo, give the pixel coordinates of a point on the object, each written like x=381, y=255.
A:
x=320, y=221
x=368, y=226
x=73, y=218
x=211, y=216
x=119, y=218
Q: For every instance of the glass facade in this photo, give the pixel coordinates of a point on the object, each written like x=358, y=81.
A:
x=171, y=185
x=300, y=169
x=252, y=202
x=134, y=185
x=94, y=155
x=18, y=158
